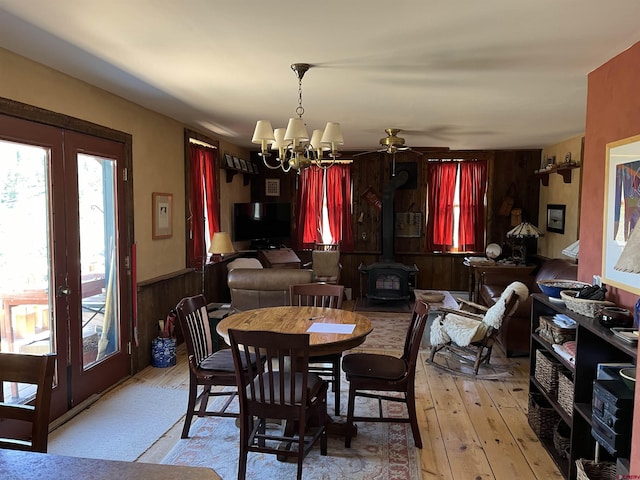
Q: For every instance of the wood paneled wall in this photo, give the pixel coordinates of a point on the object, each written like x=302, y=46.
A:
x=373, y=171
x=157, y=296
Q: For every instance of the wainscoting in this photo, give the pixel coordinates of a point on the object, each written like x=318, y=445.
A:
x=157, y=296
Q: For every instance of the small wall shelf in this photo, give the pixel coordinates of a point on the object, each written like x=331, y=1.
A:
x=562, y=169
x=231, y=172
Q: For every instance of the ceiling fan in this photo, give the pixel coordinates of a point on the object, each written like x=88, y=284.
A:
x=392, y=143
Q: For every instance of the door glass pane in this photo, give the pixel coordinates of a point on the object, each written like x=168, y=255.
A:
x=26, y=317
x=98, y=240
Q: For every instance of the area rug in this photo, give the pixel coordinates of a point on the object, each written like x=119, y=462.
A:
x=389, y=331
x=122, y=425
x=379, y=451
x=364, y=305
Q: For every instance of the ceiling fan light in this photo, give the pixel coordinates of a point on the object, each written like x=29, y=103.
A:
x=296, y=131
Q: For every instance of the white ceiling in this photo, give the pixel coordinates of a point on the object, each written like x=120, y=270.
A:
x=461, y=74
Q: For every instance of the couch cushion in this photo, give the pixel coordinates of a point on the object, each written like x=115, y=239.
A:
x=263, y=287
x=555, y=268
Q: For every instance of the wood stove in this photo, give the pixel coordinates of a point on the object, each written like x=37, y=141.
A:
x=388, y=280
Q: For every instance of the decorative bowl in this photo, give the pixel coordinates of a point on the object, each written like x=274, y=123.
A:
x=431, y=297
x=552, y=288
x=629, y=377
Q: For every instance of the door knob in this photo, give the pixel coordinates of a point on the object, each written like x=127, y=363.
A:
x=64, y=291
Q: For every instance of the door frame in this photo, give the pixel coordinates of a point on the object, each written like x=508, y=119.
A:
x=126, y=227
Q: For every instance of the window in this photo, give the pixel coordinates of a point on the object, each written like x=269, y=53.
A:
x=203, y=201
x=456, y=203
x=324, y=207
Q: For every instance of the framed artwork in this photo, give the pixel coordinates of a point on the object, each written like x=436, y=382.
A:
x=621, y=210
x=162, y=215
x=255, y=167
x=228, y=160
x=555, y=218
x=250, y=167
x=272, y=187
x=236, y=163
x=243, y=165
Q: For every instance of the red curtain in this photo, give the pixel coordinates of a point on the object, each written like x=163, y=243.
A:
x=441, y=181
x=473, y=185
x=309, y=215
x=202, y=194
x=339, y=205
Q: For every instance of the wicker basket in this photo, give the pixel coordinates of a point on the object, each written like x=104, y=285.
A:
x=542, y=417
x=561, y=438
x=583, y=306
x=565, y=393
x=546, y=372
x=553, y=333
x=590, y=470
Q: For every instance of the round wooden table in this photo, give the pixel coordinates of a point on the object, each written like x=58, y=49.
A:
x=298, y=320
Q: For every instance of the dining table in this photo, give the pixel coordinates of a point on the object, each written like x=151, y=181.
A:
x=331, y=330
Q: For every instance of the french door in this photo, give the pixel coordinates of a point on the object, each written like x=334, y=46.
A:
x=62, y=260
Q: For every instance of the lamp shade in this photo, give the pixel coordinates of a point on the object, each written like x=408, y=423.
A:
x=296, y=131
x=263, y=131
x=221, y=244
x=629, y=260
x=332, y=134
x=524, y=230
x=316, y=141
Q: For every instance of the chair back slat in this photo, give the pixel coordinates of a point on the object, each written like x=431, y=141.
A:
x=324, y=295
x=283, y=383
x=414, y=334
x=35, y=370
x=194, y=322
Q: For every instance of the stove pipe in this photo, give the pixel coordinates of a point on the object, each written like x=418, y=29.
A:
x=388, y=225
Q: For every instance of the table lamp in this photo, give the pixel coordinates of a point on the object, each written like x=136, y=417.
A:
x=521, y=232
x=220, y=246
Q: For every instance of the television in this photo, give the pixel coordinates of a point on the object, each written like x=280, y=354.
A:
x=256, y=221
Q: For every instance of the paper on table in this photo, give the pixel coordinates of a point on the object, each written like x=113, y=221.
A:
x=319, y=327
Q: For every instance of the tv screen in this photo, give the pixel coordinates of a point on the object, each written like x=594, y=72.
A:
x=258, y=221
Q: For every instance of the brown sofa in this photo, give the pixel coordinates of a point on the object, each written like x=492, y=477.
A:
x=516, y=330
x=263, y=287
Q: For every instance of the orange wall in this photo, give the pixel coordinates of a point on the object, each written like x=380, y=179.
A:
x=613, y=113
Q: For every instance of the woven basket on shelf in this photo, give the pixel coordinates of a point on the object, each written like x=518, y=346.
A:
x=590, y=470
x=542, y=417
x=583, y=306
x=554, y=333
x=546, y=372
x=561, y=438
x=565, y=393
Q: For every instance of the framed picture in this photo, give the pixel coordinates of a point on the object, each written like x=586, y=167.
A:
x=250, y=167
x=162, y=215
x=228, y=160
x=555, y=218
x=236, y=163
x=272, y=187
x=621, y=210
x=255, y=167
x=243, y=165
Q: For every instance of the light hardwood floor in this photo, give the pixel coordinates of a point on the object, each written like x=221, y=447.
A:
x=471, y=428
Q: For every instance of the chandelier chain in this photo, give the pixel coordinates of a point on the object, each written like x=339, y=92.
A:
x=300, y=109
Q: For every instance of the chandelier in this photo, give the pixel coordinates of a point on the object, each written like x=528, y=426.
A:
x=295, y=148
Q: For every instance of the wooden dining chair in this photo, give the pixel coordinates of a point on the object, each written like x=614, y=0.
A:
x=207, y=368
x=328, y=296
x=284, y=391
x=371, y=374
x=34, y=370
